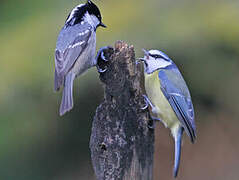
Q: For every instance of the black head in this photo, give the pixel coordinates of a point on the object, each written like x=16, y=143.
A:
x=77, y=14
x=93, y=10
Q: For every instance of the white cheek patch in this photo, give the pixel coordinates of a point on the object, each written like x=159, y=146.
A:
x=91, y=19
x=164, y=64
x=154, y=65
x=154, y=51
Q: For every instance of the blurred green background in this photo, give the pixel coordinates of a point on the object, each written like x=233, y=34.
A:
x=202, y=37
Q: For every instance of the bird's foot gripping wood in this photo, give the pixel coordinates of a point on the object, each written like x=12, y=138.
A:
x=148, y=104
x=102, y=58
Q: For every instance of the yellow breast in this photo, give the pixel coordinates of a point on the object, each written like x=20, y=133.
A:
x=164, y=109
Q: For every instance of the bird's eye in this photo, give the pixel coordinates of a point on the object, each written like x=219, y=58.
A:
x=156, y=56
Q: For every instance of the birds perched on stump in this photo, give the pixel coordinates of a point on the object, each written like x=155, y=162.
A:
x=167, y=92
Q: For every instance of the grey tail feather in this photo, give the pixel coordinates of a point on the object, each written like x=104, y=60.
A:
x=67, y=96
x=58, y=81
x=178, y=142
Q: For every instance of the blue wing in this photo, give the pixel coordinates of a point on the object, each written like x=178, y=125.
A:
x=176, y=91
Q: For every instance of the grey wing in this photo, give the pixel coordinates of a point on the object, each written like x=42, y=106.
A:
x=66, y=57
x=179, y=98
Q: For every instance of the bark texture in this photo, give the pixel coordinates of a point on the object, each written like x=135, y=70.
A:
x=122, y=142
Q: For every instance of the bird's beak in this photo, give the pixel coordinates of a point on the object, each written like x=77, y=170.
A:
x=103, y=25
x=146, y=53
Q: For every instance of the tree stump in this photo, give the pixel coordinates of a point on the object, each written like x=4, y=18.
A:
x=122, y=142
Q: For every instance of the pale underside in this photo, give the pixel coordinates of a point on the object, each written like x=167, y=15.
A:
x=163, y=109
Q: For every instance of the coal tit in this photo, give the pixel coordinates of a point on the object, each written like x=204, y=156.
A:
x=75, y=49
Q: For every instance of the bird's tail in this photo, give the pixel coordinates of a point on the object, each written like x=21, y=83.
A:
x=178, y=142
x=67, y=96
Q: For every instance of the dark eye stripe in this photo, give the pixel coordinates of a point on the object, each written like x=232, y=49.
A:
x=156, y=56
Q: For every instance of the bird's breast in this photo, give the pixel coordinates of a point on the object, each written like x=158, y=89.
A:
x=154, y=93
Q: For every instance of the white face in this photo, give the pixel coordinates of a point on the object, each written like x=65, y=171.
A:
x=92, y=20
x=154, y=60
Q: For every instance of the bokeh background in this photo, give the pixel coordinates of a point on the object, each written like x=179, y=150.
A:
x=201, y=36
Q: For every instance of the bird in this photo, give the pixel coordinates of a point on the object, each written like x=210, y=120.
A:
x=169, y=98
x=75, y=49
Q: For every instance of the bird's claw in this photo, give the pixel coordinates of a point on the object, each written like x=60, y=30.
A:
x=101, y=70
x=146, y=105
x=100, y=54
x=102, y=60
x=147, y=102
x=103, y=56
x=151, y=123
x=155, y=118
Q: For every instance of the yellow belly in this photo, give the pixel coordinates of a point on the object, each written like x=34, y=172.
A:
x=156, y=96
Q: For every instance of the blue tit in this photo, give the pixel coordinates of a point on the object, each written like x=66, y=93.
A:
x=169, y=97
x=75, y=49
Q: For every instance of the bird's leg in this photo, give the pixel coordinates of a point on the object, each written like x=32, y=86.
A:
x=155, y=110
x=148, y=103
x=151, y=123
x=101, y=60
x=153, y=119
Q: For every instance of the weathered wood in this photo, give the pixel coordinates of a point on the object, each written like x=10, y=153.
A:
x=122, y=144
